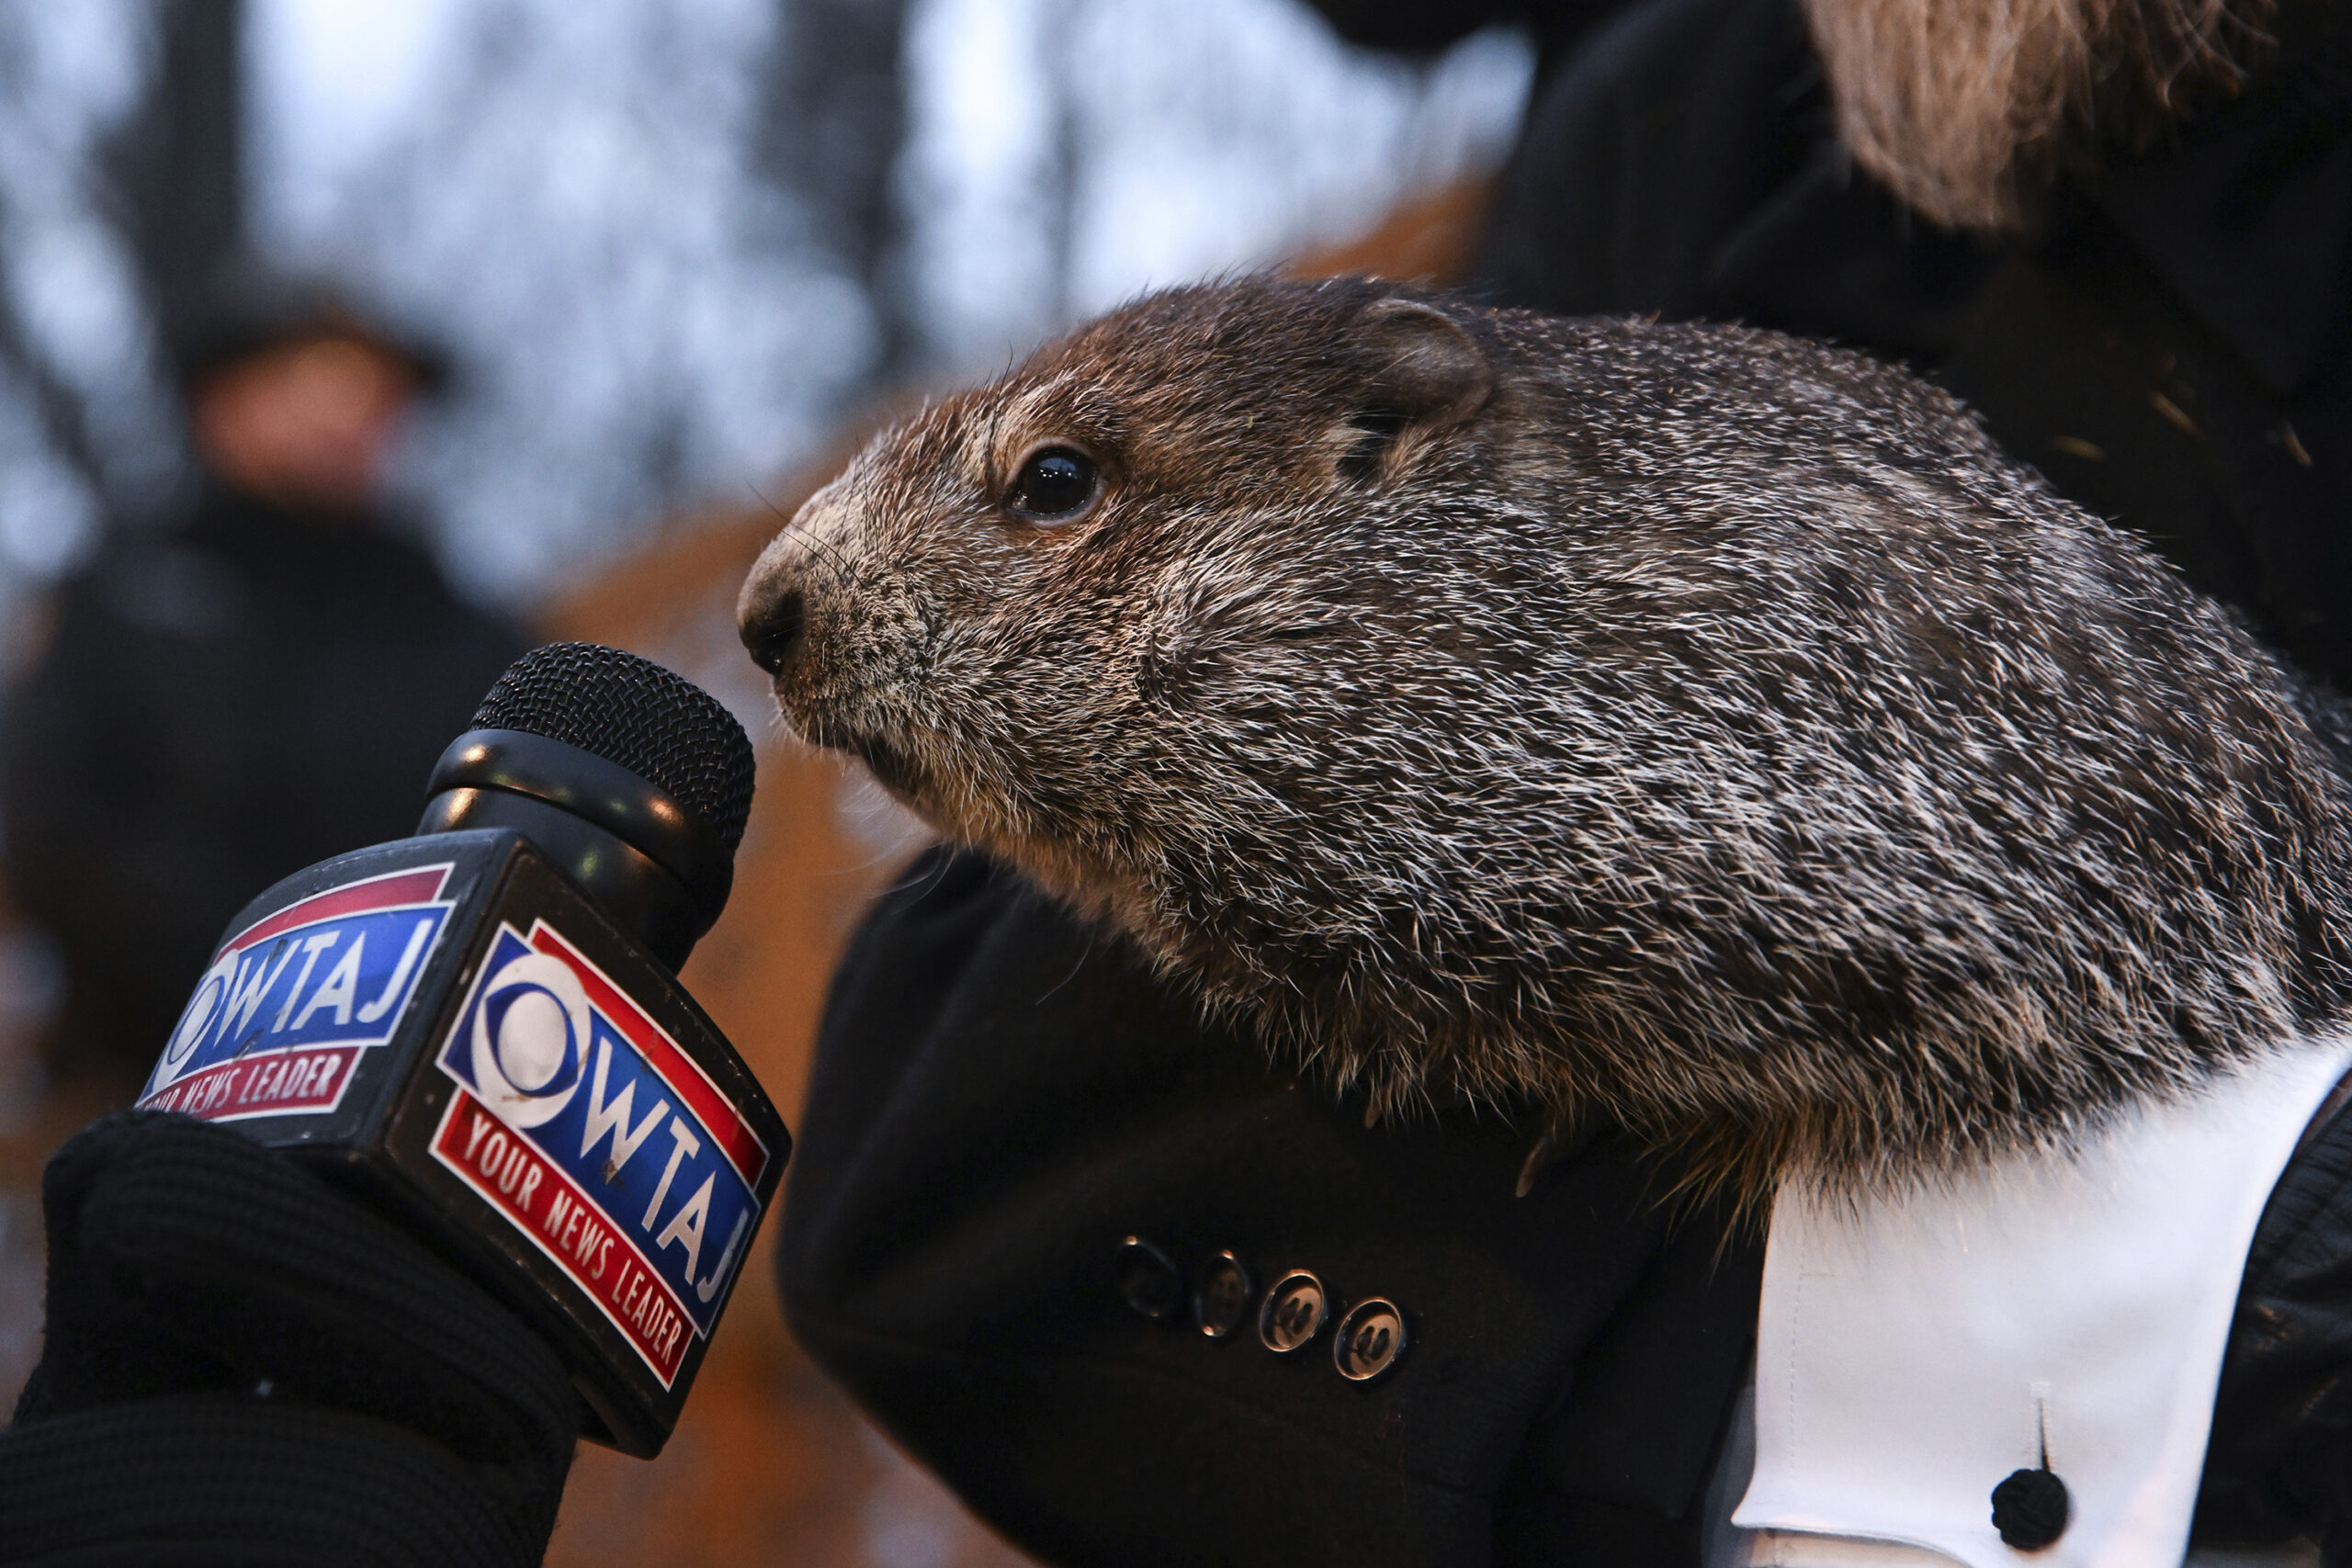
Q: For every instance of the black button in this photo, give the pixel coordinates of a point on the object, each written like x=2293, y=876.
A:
x=1147, y=1280
x=1371, y=1339
x=1293, y=1312
x=2029, y=1509
x=1222, y=1299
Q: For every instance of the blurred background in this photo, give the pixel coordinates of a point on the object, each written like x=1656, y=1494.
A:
x=470, y=323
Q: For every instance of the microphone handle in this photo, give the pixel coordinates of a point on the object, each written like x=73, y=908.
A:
x=450, y=1025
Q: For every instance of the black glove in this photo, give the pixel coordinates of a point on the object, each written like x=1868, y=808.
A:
x=2280, y=1461
x=244, y=1365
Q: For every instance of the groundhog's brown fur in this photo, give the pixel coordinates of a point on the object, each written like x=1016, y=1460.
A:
x=1686, y=723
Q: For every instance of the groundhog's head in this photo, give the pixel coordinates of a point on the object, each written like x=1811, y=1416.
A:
x=1017, y=607
x=1688, y=724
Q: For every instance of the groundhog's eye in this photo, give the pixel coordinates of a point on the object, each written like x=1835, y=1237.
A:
x=1054, y=484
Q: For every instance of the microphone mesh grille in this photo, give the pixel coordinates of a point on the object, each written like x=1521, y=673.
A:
x=652, y=721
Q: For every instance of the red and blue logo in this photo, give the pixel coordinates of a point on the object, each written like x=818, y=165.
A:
x=583, y=1122
x=277, y=1025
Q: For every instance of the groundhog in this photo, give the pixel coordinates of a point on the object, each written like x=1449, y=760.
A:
x=1683, y=725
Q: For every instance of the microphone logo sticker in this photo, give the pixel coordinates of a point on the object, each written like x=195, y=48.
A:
x=580, y=1120
x=529, y=1036
x=277, y=1023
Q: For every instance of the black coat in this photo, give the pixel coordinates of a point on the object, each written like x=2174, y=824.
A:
x=1004, y=1097
x=218, y=707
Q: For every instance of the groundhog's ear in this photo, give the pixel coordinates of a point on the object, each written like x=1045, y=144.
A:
x=1434, y=373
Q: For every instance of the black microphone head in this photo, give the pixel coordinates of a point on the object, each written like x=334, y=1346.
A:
x=579, y=745
x=652, y=721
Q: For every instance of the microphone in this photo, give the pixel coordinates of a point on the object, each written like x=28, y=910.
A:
x=480, y=1028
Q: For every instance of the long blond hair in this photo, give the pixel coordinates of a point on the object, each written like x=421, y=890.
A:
x=1964, y=107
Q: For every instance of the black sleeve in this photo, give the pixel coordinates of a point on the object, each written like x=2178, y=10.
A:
x=242, y=1365
x=1410, y=27
x=1004, y=1097
x=1406, y=27
x=2278, y=1463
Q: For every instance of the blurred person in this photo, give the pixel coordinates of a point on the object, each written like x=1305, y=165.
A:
x=224, y=703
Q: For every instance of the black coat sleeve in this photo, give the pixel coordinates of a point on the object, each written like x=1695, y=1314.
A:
x=241, y=1364
x=2278, y=1463
x=1003, y=1097
x=1406, y=26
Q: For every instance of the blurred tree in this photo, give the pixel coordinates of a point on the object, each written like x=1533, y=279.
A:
x=176, y=161
x=832, y=117
x=650, y=230
x=672, y=244
x=120, y=189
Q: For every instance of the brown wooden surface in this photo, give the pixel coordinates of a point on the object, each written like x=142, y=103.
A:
x=1425, y=239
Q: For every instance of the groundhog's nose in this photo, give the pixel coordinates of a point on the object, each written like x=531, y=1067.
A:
x=772, y=631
